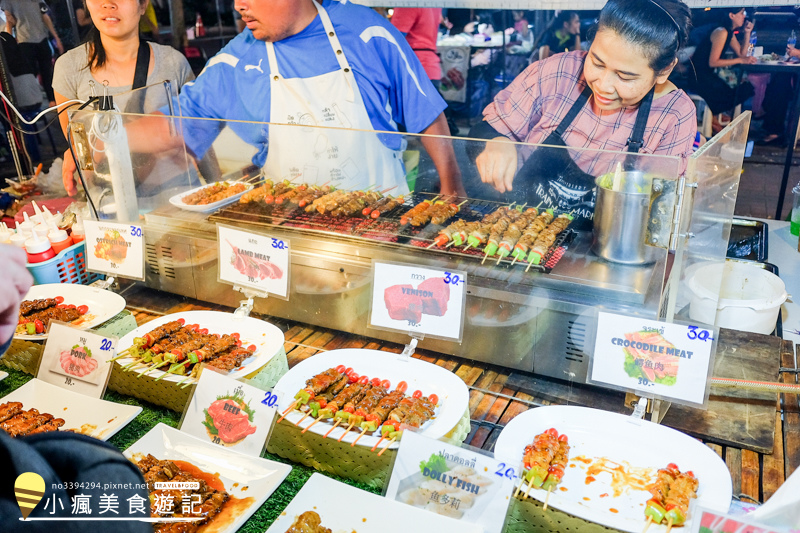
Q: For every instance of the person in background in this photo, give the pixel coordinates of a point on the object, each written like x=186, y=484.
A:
x=148, y=24
x=716, y=82
x=521, y=24
x=16, y=282
x=614, y=97
x=112, y=54
x=83, y=20
x=420, y=26
x=33, y=25
x=563, y=35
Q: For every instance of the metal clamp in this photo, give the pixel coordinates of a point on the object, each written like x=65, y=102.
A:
x=409, y=349
x=246, y=306
x=638, y=412
x=103, y=283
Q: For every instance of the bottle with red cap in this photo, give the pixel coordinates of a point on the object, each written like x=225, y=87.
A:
x=39, y=249
x=199, y=28
x=78, y=233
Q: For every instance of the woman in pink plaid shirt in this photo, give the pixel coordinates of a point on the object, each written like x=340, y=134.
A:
x=614, y=97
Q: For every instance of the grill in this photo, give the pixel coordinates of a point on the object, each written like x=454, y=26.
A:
x=388, y=227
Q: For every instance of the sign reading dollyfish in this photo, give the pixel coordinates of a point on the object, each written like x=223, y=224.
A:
x=418, y=300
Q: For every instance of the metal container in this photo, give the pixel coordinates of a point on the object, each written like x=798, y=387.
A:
x=620, y=218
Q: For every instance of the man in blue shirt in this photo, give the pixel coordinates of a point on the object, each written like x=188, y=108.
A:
x=335, y=65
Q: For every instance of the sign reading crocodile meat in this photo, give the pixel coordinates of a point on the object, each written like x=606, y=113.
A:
x=76, y=360
x=230, y=413
x=652, y=358
x=253, y=260
x=418, y=300
x=114, y=249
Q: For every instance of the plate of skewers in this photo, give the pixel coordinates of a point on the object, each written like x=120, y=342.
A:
x=208, y=198
x=79, y=305
x=617, y=471
x=173, y=346
x=231, y=486
x=369, y=397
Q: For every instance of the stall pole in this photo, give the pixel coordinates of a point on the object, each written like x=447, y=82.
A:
x=178, y=24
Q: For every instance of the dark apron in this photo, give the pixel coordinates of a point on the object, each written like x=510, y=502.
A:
x=551, y=178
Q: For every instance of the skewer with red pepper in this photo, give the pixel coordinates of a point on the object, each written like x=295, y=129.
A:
x=421, y=411
x=547, y=237
x=354, y=413
x=353, y=392
x=388, y=207
x=681, y=492
x=537, y=458
x=416, y=210
x=380, y=413
x=654, y=510
x=558, y=466
x=514, y=232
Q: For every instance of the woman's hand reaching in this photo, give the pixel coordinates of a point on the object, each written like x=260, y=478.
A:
x=497, y=164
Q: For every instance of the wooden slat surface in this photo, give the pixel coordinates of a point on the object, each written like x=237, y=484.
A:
x=497, y=395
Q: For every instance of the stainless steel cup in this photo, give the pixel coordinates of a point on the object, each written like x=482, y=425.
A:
x=620, y=218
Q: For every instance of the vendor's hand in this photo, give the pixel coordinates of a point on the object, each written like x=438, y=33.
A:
x=792, y=52
x=749, y=60
x=16, y=282
x=748, y=26
x=68, y=174
x=497, y=164
x=60, y=47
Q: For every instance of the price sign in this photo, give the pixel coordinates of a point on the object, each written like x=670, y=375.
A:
x=230, y=413
x=418, y=300
x=114, y=249
x=652, y=358
x=476, y=488
x=252, y=260
x=708, y=521
x=77, y=360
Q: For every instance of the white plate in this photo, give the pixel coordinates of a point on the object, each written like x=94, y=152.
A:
x=103, y=304
x=427, y=377
x=596, y=434
x=244, y=477
x=267, y=338
x=90, y=416
x=343, y=508
x=3, y=375
x=177, y=200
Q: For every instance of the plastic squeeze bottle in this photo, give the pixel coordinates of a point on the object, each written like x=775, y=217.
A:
x=39, y=249
x=5, y=233
x=59, y=238
x=26, y=226
x=77, y=230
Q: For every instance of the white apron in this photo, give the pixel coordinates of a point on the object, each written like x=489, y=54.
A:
x=345, y=159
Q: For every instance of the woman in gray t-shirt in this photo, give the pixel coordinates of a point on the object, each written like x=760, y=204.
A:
x=109, y=58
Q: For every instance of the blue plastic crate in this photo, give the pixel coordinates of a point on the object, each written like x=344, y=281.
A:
x=69, y=266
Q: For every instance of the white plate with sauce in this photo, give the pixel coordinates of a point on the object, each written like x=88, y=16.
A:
x=248, y=480
x=103, y=304
x=633, y=449
x=343, y=508
x=90, y=416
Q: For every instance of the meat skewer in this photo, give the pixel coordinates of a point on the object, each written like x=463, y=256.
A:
x=547, y=237
x=421, y=411
x=386, y=208
x=315, y=385
x=380, y=413
x=355, y=413
x=537, y=458
x=557, y=467
x=416, y=210
x=353, y=392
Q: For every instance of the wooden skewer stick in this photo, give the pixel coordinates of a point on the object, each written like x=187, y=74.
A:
x=130, y=365
x=449, y=244
x=389, y=189
x=547, y=498
x=184, y=380
x=432, y=245
x=514, y=261
x=377, y=443
x=170, y=371
x=530, y=486
x=669, y=525
x=484, y=257
x=121, y=354
x=346, y=431
x=519, y=487
x=528, y=267
x=387, y=446
x=308, y=413
x=499, y=258
x=288, y=410
x=462, y=203
x=467, y=248
x=647, y=525
x=339, y=421
x=359, y=436
x=311, y=424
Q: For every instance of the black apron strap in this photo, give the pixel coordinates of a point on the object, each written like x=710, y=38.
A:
x=636, y=140
x=142, y=63
x=573, y=111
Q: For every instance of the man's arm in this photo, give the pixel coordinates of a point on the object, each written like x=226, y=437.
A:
x=10, y=21
x=49, y=23
x=444, y=157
